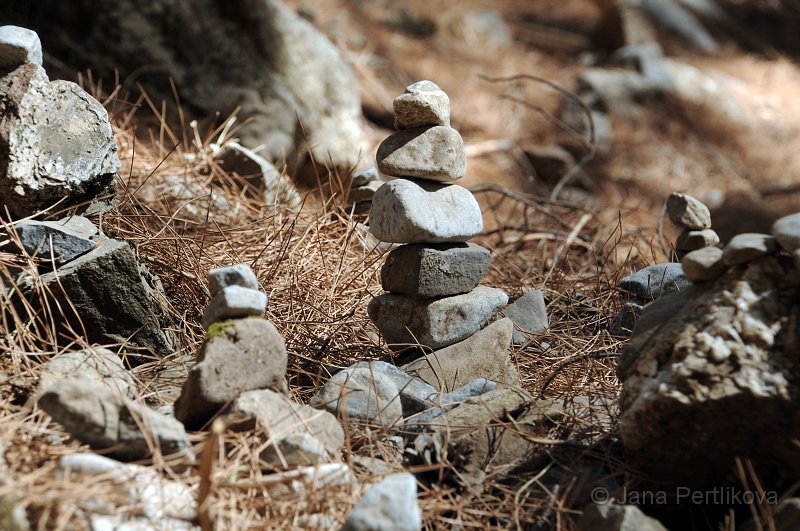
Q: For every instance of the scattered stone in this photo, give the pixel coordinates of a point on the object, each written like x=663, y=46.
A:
x=261, y=174
x=309, y=478
x=424, y=271
x=434, y=153
x=196, y=200
x=44, y=239
x=365, y=176
x=704, y=264
x=237, y=356
x=233, y=302
x=296, y=449
x=105, y=420
x=408, y=211
x=448, y=401
x=623, y=323
x=434, y=323
x=415, y=394
x=423, y=104
x=692, y=240
x=94, y=364
x=529, y=315
x=390, y=505
x=787, y=231
x=748, y=246
x=56, y=140
x=484, y=354
x=361, y=395
x=687, y=212
x=111, y=296
x=611, y=516
x=235, y=275
x=132, y=496
x=360, y=194
x=79, y=225
x=19, y=46
x=713, y=377
x=654, y=281
x=281, y=417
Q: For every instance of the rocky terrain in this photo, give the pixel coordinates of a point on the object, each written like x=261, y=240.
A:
x=391, y=265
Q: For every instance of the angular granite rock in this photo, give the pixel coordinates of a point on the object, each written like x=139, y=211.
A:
x=390, y=505
x=362, y=396
x=56, y=143
x=655, y=280
x=424, y=271
x=483, y=355
x=529, y=315
x=45, y=239
x=237, y=356
x=434, y=323
x=433, y=153
x=19, y=46
x=101, y=418
x=422, y=104
x=415, y=211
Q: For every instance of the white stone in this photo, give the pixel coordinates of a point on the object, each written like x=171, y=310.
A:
x=235, y=275
x=19, y=46
x=422, y=103
x=232, y=302
x=390, y=505
x=411, y=211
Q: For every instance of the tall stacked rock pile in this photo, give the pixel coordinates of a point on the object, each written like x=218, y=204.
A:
x=434, y=299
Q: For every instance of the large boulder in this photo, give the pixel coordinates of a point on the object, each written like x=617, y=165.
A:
x=289, y=80
x=711, y=373
x=56, y=143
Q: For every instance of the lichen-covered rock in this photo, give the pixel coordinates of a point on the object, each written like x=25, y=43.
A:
x=711, y=374
x=56, y=143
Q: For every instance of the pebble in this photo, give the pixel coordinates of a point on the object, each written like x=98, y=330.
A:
x=748, y=246
x=434, y=153
x=704, y=264
x=425, y=271
x=692, y=240
x=362, y=396
x=529, y=315
x=623, y=323
x=235, y=275
x=19, y=46
x=787, y=231
x=422, y=104
x=484, y=354
x=434, y=323
x=410, y=211
x=687, y=212
x=45, y=239
x=241, y=355
x=655, y=280
x=259, y=173
x=233, y=302
x=390, y=505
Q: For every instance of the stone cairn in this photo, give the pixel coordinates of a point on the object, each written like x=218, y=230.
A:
x=434, y=299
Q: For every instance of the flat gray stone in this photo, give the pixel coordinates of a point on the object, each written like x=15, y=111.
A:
x=296, y=449
x=687, y=212
x=787, y=231
x=237, y=356
x=57, y=142
x=19, y=46
x=235, y=275
x=234, y=302
x=390, y=505
x=422, y=104
x=704, y=265
x=692, y=240
x=44, y=239
x=103, y=419
x=78, y=224
x=433, y=153
x=413, y=211
x=748, y=246
x=483, y=355
x=415, y=395
x=529, y=315
x=95, y=364
x=623, y=323
x=655, y=280
x=448, y=401
x=280, y=417
x=424, y=271
x=362, y=396
x=434, y=323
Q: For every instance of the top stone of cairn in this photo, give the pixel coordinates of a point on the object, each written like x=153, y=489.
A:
x=422, y=104
x=19, y=46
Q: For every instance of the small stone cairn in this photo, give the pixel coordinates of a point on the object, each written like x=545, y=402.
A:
x=434, y=299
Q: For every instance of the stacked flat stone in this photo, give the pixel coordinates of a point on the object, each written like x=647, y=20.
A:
x=434, y=299
x=694, y=218
x=234, y=294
